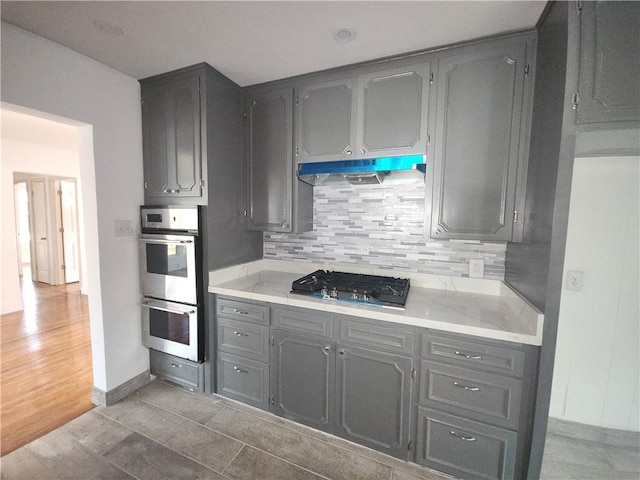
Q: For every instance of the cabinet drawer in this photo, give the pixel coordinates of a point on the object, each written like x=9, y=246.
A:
x=177, y=370
x=304, y=321
x=244, y=380
x=464, y=448
x=473, y=353
x=243, y=338
x=247, y=312
x=486, y=397
x=388, y=338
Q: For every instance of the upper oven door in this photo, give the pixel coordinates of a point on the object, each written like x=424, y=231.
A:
x=168, y=267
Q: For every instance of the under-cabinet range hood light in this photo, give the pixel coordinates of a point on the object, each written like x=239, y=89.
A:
x=363, y=171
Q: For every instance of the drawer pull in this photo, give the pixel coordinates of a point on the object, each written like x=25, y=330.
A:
x=470, y=357
x=240, y=334
x=176, y=365
x=240, y=370
x=240, y=312
x=462, y=437
x=471, y=389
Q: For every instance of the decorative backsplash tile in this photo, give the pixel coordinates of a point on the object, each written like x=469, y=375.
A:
x=380, y=226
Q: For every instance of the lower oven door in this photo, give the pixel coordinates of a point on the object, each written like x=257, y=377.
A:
x=171, y=328
x=168, y=267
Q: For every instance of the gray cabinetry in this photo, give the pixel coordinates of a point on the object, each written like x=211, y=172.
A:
x=171, y=123
x=609, y=62
x=303, y=379
x=355, y=381
x=373, y=398
x=482, y=112
x=177, y=370
x=473, y=406
x=243, y=351
x=277, y=202
x=377, y=113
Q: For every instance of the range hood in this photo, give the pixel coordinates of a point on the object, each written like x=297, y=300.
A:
x=363, y=171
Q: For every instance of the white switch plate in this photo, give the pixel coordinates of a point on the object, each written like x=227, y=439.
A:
x=476, y=268
x=124, y=228
x=574, y=280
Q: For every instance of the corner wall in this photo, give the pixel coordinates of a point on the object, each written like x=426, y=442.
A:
x=105, y=104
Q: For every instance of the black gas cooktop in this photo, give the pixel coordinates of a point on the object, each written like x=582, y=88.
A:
x=354, y=287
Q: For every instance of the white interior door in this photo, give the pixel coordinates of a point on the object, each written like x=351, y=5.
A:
x=70, y=234
x=39, y=210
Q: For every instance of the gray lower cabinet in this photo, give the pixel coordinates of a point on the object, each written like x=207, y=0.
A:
x=464, y=448
x=474, y=404
x=609, y=62
x=277, y=201
x=373, y=398
x=177, y=370
x=483, y=109
x=303, y=379
x=242, y=331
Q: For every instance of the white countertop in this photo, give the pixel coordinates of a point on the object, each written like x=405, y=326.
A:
x=483, y=308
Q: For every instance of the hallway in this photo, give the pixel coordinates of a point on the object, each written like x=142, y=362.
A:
x=45, y=362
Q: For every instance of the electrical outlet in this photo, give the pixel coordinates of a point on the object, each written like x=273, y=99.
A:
x=124, y=228
x=574, y=280
x=476, y=268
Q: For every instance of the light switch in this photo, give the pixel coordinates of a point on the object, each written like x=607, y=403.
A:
x=124, y=228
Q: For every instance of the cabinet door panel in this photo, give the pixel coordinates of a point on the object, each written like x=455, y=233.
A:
x=269, y=154
x=326, y=115
x=479, y=109
x=609, y=62
x=373, y=392
x=392, y=111
x=302, y=379
x=156, y=175
x=186, y=138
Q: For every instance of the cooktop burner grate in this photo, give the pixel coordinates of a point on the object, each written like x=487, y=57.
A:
x=354, y=287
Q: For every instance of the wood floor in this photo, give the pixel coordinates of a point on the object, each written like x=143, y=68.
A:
x=45, y=363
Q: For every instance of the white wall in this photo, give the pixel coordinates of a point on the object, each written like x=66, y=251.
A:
x=35, y=146
x=597, y=366
x=44, y=76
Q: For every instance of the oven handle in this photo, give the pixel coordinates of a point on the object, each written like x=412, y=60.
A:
x=170, y=310
x=164, y=242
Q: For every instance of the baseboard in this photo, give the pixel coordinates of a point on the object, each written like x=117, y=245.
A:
x=581, y=431
x=100, y=397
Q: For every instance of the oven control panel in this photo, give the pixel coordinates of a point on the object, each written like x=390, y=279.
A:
x=169, y=218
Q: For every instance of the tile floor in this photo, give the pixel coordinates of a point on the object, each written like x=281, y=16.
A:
x=165, y=432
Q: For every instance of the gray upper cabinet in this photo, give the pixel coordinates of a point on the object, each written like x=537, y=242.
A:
x=171, y=138
x=268, y=143
x=479, y=140
x=609, y=62
x=374, y=114
x=392, y=111
x=325, y=121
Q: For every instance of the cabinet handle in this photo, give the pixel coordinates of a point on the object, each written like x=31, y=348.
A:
x=348, y=152
x=438, y=231
x=176, y=365
x=362, y=150
x=471, y=389
x=240, y=334
x=327, y=348
x=341, y=352
x=169, y=190
x=240, y=312
x=240, y=370
x=470, y=357
x=462, y=437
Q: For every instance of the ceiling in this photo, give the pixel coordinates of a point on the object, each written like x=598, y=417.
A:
x=257, y=41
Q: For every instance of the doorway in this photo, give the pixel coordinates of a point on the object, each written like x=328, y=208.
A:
x=47, y=228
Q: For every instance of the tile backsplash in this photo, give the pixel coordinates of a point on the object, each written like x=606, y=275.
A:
x=380, y=226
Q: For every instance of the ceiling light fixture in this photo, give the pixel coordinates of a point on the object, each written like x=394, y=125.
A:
x=108, y=28
x=344, y=34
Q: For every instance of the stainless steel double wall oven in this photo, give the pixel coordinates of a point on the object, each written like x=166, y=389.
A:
x=171, y=274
